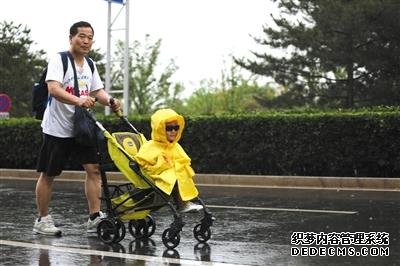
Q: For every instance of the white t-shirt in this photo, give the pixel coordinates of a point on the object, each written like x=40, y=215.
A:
x=58, y=116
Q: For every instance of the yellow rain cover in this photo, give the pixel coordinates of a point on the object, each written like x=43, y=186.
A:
x=122, y=146
x=166, y=162
x=126, y=209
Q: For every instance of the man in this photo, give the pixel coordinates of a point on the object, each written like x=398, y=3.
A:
x=57, y=125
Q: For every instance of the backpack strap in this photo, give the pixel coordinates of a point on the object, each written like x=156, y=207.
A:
x=90, y=63
x=76, y=85
x=64, y=59
x=67, y=55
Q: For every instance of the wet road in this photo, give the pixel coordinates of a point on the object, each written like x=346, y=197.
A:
x=255, y=226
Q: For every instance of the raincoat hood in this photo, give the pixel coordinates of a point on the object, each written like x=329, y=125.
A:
x=166, y=163
x=158, y=121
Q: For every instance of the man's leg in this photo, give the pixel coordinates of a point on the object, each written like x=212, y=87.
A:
x=93, y=187
x=93, y=194
x=44, y=223
x=44, y=189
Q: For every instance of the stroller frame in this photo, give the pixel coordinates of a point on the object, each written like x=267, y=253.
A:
x=141, y=224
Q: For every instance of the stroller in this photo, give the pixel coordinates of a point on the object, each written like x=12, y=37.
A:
x=133, y=202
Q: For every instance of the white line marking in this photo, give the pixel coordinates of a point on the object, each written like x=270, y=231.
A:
x=113, y=254
x=280, y=209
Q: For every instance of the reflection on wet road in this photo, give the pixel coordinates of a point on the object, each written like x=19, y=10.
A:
x=254, y=226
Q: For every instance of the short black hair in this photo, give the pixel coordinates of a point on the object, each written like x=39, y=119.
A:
x=74, y=28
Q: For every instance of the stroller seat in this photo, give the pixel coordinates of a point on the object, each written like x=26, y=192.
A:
x=122, y=146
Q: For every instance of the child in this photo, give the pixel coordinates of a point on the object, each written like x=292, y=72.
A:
x=165, y=161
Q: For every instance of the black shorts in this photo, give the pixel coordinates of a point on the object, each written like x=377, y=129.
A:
x=55, y=152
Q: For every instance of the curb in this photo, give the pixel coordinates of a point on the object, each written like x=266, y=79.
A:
x=356, y=183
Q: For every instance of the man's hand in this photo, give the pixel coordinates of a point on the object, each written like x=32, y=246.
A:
x=115, y=105
x=86, y=102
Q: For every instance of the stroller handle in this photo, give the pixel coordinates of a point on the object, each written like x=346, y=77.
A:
x=119, y=112
x=123, y=118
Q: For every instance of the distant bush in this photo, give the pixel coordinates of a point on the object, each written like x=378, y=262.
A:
x=292, y=142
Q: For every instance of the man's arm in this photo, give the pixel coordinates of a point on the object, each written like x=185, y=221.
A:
x=104, y=98
x=61, y=95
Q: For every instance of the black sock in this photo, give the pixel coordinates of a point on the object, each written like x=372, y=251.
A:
x=94, y=215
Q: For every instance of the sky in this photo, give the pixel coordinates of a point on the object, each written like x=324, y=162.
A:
x=199, y=35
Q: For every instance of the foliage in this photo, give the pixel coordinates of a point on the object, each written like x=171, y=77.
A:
x=338, y=53
x=233, y=93
x=291, y=142
x=360, y=143
x=98, y=58
x=20, y=68
x=149, y=89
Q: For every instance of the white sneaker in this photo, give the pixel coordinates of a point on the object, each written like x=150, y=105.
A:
x=91, y=226
x=46, y=227
x=190, y=207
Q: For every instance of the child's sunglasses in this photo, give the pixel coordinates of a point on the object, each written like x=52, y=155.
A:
x=170, y=128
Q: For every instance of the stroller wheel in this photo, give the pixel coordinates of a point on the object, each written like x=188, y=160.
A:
x=121, y=231
x=151, y=225
x=107, y=231
x=137, y=228
x=142, y=228
x=170, y=239
x=202, y=233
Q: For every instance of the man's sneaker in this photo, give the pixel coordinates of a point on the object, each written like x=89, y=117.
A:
x=46, y=227
x=190, y=207
x=91, y=226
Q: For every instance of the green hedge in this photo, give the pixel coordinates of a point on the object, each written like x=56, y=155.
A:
x=362, y=143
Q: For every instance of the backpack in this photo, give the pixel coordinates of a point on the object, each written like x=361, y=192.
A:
x=40, y=91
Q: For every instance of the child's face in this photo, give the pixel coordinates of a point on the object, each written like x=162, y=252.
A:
x=171, y=130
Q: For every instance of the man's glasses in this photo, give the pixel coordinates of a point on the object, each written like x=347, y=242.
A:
x=170, y=128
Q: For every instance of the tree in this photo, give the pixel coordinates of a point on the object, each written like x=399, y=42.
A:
x=203, y=100
x=98, y=57
x=342, y=53
x=233, y=93
x=149, y=88
x=239, y=94
x=20, y=68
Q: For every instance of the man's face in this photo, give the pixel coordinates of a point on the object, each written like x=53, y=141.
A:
x=81, y=43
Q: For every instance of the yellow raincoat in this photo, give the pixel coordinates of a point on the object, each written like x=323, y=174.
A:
x=166, y=162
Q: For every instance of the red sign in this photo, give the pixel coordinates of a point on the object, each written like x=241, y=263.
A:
x=5, y=103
